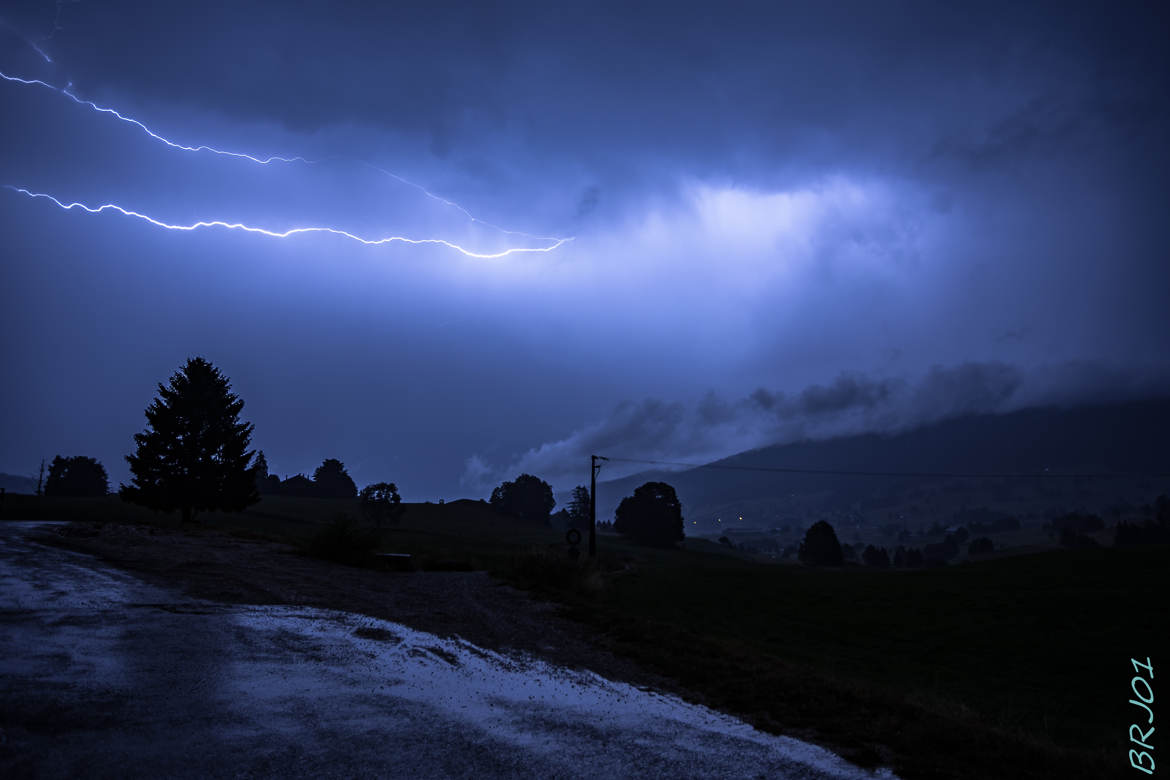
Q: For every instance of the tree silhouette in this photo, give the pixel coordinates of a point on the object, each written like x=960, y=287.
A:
x=381, y=503
x=579, y=508
x=652, y=516
x=333, y=481
x=265, y=482
x=76, y=477
x=877, y=557
x=820, y=546
x=193, y=455
x=528, y=498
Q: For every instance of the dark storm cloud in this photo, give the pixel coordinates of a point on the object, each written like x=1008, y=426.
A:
x=664, y=79
x=845, y=393
x=826, y=200
x=967, y=389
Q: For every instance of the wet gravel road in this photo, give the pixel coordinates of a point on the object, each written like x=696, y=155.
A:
x=103, y=675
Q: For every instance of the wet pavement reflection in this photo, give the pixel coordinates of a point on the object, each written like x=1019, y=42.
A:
x=104, y=675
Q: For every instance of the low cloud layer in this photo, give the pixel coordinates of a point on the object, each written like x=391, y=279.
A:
x=715, y=427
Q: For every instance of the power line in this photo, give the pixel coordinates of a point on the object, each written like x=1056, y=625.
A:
x=920, y=474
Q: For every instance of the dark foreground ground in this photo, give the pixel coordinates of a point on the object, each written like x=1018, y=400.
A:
x=194, y=666
x=1017, y=667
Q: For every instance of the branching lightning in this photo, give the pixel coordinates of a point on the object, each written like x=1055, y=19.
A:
x=555, y=240
x=457, y=207
x=130, y=120
x=286, y=233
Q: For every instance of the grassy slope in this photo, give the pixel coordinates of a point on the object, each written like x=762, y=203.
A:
x=1016, y=667
x=955, y=669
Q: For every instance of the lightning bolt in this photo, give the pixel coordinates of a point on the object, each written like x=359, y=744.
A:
x=130, y=120
x=287, y=233
x=558, y=241
x=457, y=207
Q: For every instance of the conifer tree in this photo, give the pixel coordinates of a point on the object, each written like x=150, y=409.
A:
x=193, y=455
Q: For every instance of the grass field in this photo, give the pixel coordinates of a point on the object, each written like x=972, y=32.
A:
x=1012, y=667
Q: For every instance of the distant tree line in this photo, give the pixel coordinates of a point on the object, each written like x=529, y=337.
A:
x=1155, y=530
x=194, y=456
x=821, y=547
x=652, y=516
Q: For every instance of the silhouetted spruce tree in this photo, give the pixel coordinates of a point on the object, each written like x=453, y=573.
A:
x=579, y=508
x=193, y=455
x=652, y=516
x=76, y=477
x=333, y=481
x=529, y=498
x=820, y=546
x=266, y=483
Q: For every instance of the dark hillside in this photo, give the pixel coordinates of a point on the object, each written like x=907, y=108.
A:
x=1129, y=437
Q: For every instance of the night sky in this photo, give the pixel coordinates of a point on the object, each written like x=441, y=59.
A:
x=787, y=220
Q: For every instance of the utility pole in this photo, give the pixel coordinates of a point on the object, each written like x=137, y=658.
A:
x=594, y=467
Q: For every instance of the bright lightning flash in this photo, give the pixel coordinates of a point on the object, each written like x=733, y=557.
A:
x=557, y=241
x=130, y=120
x=287, y=233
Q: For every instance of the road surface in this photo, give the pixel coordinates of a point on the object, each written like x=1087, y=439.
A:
x=102, y=674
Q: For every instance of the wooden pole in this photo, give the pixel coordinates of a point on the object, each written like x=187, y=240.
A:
x=592, y=506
